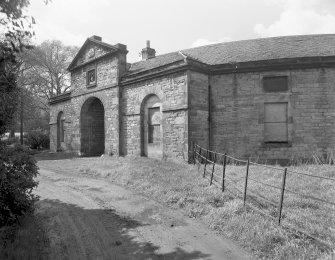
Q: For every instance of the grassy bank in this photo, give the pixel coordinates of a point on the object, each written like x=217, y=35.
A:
x=182, y=186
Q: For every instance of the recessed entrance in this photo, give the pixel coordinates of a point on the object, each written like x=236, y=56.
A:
x=92, y=128
x=60, y=130
x=151, y=127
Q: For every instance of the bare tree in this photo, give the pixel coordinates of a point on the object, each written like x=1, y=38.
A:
x=47, y=64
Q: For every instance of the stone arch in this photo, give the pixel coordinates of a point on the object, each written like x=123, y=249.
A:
x=92, y=127
x=151, y=127
x=60, y=130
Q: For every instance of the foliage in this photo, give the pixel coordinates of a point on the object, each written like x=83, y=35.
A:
x=11, y=141
x=17, y=172
x=41, y=74
x=47, y=68
x=14, y=40
x=17, y=167
x=18, y=28
x=31, y=111
x=38, y=139
x=8, y=94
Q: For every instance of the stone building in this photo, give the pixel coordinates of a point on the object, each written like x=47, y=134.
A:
x=267, y=98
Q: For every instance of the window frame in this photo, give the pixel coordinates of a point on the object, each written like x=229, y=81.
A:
x=267, y=77
x=88, y=83
x=151, y=125
x=286, y=122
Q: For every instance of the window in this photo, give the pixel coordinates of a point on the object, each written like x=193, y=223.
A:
x=154, y=129
x=91, y=78
x=275, y=122
x=275, y=84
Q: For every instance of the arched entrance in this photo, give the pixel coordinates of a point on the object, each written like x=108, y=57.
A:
x=60, y=130
x=151, y=127
x=92, y=128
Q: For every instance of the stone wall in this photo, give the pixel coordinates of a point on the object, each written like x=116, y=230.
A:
x=238, y=113
x=106, y=90
x=198, y=108
x=67, y=109
x=106, y=76
x=72, y=109
x=172, y=91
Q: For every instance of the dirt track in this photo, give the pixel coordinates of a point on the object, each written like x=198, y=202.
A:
x=91, y=218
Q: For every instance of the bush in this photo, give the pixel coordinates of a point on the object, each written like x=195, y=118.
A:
x=17, y=172
x=38, y=139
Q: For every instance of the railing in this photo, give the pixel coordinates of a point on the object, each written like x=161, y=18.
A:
x=218, y=168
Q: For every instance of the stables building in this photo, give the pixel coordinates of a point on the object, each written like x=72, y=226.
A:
x=271, y=98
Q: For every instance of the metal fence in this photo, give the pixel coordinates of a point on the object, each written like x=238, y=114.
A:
x=220, y=169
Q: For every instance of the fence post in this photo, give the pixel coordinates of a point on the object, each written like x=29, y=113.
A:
x=214, y=160
x=246, y=184
x=207, y=154
x=282, y=195
x=224, y=170
x=194, y=151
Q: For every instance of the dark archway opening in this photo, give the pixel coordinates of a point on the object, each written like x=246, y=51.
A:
x=60, y=130
x=151, y=127
x=92, y=128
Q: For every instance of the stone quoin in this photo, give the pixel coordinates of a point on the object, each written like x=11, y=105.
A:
x=271, y=98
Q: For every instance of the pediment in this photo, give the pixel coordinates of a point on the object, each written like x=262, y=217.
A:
x=91, y=50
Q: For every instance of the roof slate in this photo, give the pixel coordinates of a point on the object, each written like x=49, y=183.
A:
x=273, y=48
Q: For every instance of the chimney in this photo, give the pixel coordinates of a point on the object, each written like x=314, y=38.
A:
x=148, y=53
x=97, y=38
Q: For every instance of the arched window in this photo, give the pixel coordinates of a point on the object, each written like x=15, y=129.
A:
x=151, y=127
x=60, y=129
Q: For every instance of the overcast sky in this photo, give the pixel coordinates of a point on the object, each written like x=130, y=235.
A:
x=173, y=25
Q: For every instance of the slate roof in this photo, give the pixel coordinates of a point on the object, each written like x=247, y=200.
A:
x=273, y=48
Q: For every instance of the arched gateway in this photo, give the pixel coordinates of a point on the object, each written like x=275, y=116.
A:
x=92, y=128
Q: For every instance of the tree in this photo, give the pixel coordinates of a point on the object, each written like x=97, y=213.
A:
x=8, y=91
x=47, y=65
x=11, y=44
x=41, y=74
x=17, y=167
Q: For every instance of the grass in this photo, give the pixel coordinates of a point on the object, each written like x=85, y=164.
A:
x=26, y=240
x=181, y=186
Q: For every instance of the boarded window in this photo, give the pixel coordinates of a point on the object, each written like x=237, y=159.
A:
x=154, y=129
x=275, y=84
x=91, y=78
x=275, y=122
x=62, y=130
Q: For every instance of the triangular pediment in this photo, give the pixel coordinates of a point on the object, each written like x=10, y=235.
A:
x=91, y=50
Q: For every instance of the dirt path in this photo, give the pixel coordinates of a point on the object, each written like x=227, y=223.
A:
x=91, y=218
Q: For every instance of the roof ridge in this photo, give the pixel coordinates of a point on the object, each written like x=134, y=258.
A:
x=236, y=41
x=262, y=38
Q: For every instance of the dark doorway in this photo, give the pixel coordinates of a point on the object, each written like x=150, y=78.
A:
x=60, y=130
x=92, y=128
x=151, y=127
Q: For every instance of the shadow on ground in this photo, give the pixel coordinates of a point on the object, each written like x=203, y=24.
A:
x=79, y=233
x=47, y=155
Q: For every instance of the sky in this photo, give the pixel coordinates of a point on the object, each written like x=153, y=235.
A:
x=173, y=25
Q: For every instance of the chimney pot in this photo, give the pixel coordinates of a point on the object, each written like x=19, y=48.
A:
x=148, y=44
